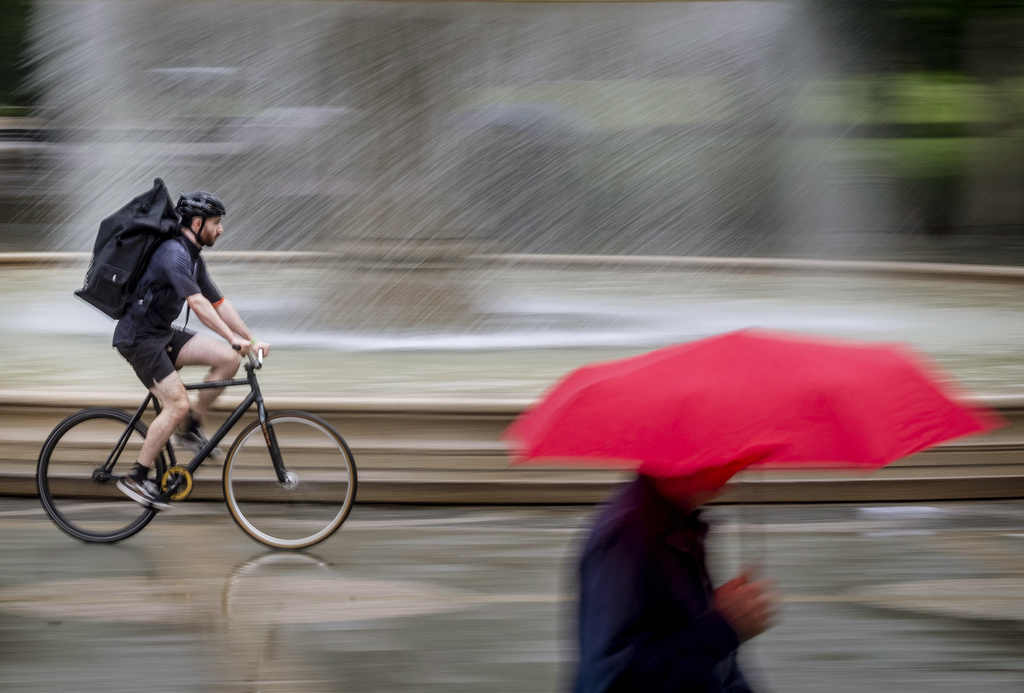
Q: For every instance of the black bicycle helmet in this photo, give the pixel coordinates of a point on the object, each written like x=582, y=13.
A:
x=199, y=204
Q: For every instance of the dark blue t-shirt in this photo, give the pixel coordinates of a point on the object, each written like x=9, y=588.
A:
x=175, y=272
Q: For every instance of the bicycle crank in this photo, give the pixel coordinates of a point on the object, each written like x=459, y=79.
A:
x=179, y=480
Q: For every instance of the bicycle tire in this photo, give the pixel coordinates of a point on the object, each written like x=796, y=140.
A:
x=313, y=505
x=82, y=504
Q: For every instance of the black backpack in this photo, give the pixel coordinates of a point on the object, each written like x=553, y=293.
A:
x=123, y=247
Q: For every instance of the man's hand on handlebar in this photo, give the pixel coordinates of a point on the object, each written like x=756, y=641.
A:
x=242, y=346
x=260, y=345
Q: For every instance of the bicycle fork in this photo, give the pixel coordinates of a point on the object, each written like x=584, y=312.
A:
x=284, y=477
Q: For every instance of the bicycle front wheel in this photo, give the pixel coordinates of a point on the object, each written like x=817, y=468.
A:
x=79, y=467
x=313, y=499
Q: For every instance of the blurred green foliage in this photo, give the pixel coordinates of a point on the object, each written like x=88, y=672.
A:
x=908, y=97
x=900, y=98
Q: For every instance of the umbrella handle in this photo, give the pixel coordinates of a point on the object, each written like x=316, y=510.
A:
x=753, y=543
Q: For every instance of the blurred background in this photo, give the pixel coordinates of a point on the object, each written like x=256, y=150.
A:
x=459, y=202
x=457, y=173
x=819, y=128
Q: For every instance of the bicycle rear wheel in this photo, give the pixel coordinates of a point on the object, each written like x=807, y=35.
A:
x=311, y=503
x=79, y=467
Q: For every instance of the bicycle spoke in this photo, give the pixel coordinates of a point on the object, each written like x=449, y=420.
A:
x=81, y=501
x=316, y=497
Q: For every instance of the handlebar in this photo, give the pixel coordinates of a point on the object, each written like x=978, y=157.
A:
x=257, y=361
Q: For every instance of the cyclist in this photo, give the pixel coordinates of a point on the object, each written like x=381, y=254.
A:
x=156, y=350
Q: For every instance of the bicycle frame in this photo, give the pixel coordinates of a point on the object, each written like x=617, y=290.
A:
x=255, y=396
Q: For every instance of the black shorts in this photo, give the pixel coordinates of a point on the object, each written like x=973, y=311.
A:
x=153, y=358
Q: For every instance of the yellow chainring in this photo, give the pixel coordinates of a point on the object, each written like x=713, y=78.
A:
x=182, y=492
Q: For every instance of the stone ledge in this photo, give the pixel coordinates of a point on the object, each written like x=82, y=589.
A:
x=766, y=264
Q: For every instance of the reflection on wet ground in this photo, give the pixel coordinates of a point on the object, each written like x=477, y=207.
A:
x=923, y=598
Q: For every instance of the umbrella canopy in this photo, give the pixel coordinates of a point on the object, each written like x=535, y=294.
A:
x=746, y=397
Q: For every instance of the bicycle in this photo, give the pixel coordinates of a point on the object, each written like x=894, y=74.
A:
x=288, y=488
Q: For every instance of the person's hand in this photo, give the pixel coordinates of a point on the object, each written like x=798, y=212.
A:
x=748, y=606
x=242, y=346
x=261, y=345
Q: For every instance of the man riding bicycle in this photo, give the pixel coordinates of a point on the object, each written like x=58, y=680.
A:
x=156, y=349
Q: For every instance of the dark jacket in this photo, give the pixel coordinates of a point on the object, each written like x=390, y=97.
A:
x=645, y=619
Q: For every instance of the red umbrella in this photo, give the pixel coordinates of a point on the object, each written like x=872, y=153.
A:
x=716, y=405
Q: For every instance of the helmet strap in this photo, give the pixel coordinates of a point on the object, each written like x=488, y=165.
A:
x=199, y=234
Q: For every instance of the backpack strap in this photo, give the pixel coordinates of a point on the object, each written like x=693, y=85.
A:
x=195, y=266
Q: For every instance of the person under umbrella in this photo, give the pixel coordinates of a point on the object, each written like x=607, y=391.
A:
x=649, y=618
x=689, y=417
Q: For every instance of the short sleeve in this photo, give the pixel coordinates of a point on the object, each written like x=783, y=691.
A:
x=177, y=266
x=206, y=285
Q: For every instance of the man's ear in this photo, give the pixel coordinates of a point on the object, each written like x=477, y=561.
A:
x=196, y=224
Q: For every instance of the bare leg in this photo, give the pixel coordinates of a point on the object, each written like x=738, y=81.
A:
x=223, y=362
x=173, y=400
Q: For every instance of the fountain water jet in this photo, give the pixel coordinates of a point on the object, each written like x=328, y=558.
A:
x=406, y=136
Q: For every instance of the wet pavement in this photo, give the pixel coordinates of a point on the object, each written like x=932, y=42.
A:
x=885, y=598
